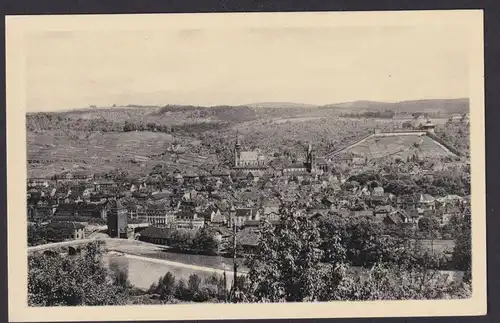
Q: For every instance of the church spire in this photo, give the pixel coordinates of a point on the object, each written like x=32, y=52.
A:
x=309, y=158
x=237, y=150
x=237, y=145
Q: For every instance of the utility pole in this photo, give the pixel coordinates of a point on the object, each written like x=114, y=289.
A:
x=225, y=286
x=235, y=266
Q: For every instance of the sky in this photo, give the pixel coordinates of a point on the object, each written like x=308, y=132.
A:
x=315, y=65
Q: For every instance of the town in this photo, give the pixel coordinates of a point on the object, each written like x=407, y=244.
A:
x=403, y=180
x=251, y=190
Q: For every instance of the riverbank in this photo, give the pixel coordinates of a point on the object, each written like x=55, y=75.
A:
x=143, y=271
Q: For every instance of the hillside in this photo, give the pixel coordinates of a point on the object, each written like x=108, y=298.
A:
x=444, y=106
x=137, y=152
x=138, y=138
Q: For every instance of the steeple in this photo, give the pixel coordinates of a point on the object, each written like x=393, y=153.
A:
x=237, y=145
x=237, y=150
x=309, y=158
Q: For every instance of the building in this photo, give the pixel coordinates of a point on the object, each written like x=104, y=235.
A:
x=189, y=220
x=81, y=174
x=241, y=215
x=41, y=209
x=211, y=213
x=100, y=186
x=429, y=126
x=93, y=210
x=378, y=191
x=426, y=202
x=63, y=231
x=292, y=168
x=418, y=121
x=38, y=182
x=270, y=207
x=454, y=118
x=156, y=235
x=117, y=220
x=157, y=215
x=247, y=159
x=248, y=240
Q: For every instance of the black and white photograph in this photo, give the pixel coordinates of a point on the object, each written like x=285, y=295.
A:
x=177, y=161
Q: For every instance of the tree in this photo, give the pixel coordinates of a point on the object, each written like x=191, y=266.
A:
x=396, y=282
x=462, y=252
x=205, y=240
x=429, y=226
x=120, y=277
x=66, y=281
x=215, y=287
x=194, y=288
x=286, y=265
x=165, y=287
x=36, y=235
x=181, y=291
x=129, y=127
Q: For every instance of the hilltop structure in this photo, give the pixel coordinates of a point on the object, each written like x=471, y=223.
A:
x=399, y=144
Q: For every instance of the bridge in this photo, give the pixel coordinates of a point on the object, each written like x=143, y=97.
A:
x=69, y=243
x=73, y=245
x=95, y=229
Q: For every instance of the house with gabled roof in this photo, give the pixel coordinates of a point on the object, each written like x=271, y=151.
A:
x=241, y=215
x=211, y=212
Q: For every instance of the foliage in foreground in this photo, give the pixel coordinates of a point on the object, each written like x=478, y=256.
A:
x=68, y=281
x=289, y=266
x=169, y=290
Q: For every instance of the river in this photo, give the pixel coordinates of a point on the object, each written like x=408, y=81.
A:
x=146, y=268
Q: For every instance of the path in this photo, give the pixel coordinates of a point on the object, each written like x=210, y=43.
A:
x=181, y=265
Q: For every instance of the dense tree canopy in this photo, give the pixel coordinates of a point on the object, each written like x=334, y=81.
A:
x=67, y=281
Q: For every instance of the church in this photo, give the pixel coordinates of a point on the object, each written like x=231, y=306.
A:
x=253, y=161
x=248, y=159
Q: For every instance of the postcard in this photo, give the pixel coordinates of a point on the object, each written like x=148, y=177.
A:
x=246, y=165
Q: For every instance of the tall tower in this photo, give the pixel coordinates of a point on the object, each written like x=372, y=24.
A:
x=237, y=150
x=309, y=159
x=117, y=220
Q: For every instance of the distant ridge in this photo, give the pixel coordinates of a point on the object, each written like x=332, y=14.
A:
x=279, y=105
x=427, y=105
x=356, y=104
x=410, y=106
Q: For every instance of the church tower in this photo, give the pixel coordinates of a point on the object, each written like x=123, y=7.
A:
x=309, y=159
x=237, y=150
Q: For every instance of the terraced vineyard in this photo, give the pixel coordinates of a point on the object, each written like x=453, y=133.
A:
x=101, y=152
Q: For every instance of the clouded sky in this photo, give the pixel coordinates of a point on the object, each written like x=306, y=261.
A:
x=75, y=69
